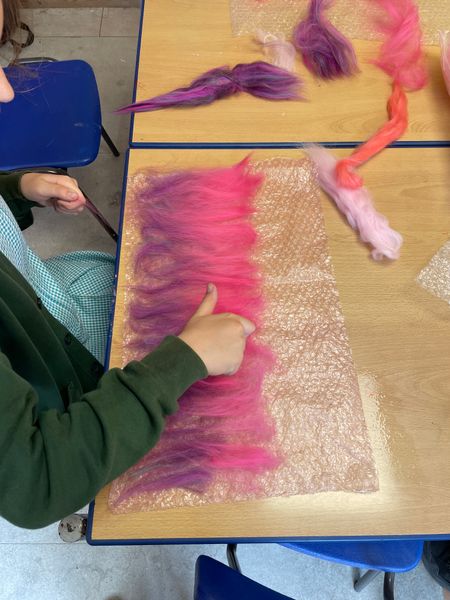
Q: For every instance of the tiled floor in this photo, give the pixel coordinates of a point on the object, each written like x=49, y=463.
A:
x=37, y=565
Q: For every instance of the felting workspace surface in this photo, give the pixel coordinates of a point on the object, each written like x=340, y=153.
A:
x=399, y=336
x=181, y=39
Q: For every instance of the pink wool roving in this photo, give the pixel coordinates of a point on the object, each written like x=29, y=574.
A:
x=401, y=54
x=357, y=206
x=277, y=49
x=401, y=57
x=196, y=228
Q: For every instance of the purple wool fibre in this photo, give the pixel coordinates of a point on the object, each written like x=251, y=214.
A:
x=325, y=51
x=258, y=79
x=196, y=228
x=194, y=479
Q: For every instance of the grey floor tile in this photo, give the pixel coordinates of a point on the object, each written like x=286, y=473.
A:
x=113, y=62
x=10, y=534
x=77, y=571
x=120, y=22
x=6, y=55
x=418, y=584
x=26, y=15
x=68, y=22
x=71, y=572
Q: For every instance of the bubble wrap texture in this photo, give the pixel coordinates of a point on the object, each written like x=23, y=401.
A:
x=436, y=276
x=312, y=394
x=353, y=18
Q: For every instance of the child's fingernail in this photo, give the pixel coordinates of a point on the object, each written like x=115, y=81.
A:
x=209, y=288
x=73, y=195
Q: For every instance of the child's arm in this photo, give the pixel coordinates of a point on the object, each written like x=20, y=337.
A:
x=53, y=466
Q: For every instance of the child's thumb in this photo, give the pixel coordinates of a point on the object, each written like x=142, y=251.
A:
x=208, y=303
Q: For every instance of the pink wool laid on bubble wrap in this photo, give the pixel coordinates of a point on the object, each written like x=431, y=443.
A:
x=196, y=229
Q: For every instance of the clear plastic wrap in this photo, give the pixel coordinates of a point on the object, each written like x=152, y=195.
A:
x=435, y=277
x=351, y=17
x=312, y=394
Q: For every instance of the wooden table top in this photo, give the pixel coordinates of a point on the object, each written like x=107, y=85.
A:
x=182, y=39
x=400, y=338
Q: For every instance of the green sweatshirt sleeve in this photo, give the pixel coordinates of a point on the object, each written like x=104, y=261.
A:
x=19, y=205
x=53, y=467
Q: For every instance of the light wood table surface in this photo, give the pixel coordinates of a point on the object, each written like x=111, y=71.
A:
x=400, y=337
x=183, y=38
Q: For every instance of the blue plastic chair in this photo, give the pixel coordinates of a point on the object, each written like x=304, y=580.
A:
x=216, y=581
x=54, y=120
x=389, y=557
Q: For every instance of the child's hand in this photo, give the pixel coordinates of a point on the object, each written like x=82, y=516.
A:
x=218, y=339
x=60, y=191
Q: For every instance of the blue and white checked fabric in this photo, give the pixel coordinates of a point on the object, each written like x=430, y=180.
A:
x=76, y=288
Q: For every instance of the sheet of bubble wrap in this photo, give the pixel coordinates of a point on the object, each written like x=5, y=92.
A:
x=312, y=394
x=435, y=277
x=353, y=17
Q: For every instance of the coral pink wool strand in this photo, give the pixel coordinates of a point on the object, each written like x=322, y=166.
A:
x=401, y=57
x=388, y=133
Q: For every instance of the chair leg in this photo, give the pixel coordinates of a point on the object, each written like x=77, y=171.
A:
x=110, y=143
x=388, y=587
x=89, y=204
x=34, y=59
x=100, y=218
x=232, y=557
x=360, y=583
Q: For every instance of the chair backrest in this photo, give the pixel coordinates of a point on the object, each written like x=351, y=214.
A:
x=54, y=119
x=394, y=556
x=216, y=581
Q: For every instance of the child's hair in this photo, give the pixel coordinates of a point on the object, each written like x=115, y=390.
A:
x=11, y=23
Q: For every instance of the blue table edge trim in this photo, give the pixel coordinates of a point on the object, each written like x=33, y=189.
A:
x=136, y=70
x=117, y=261
x=280, y=145
x=246, y=540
